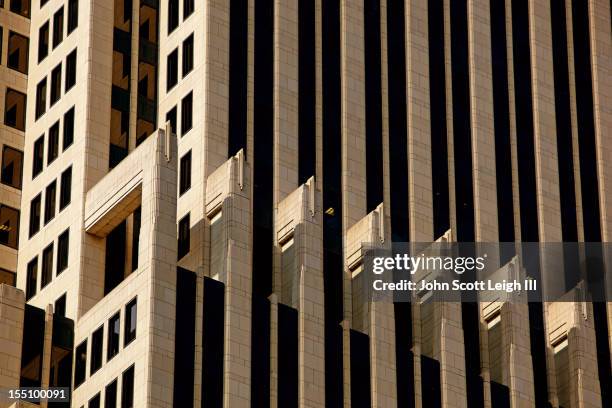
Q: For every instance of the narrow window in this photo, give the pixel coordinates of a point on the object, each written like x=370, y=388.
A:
x=94, y=402
x=187, y=55
x=58, y=27
x=96, y=350
x=110, y=395
x=17, y=52
x=71, y=68
x=21, y=7
x=188, y=7
x=187, y=114
x=131, y=314
x=238, y=77
x=185, y=173
x=68, y=128
x=12, y=165
x=53, y=143
x=31, y=280
x=80, y=363
x=73, y=15
x=173, y=15
x=60, y=306
x=41, y=98
x=50, y=199
x=47, y=266
x=43, y=41
x=65, y=188
x=127, y=388
x=9, y=226
x=56, y=84
x=172, y=67
x=63, y=243
x=35, y=215
x=114, y=327
x=14, y=109
x=183, y=237
x=38, y=156
x=171, y=117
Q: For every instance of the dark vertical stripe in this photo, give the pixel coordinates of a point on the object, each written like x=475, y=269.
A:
x=332, y=203
x=403, y=353
x=500, y=394
x=184, y=338
x=260, y=353
x=437, y=92
x=430, y=382
x=238, y=76
x=373, y=105
x=306, y=89
x=287, y=356
x=538, y=353
x=212, y=343
x=360, y=370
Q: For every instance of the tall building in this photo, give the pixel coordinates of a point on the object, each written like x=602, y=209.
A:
x=200, y=179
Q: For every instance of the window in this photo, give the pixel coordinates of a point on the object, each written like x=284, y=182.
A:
x=63, y=243
x=9, y=226
x=68, y=128
x=43, y=2
x=172, y=67
x=58, y=27
x=97, y=338
x=188, y=7
x=183, y=237
x=56, y=84
x=60, y=306
x=14, y=109
x=17, y=52
x=173, y=15
x=7, y=277
x=130, y=322
x=12, y=165
x=43, y=41
x=171, y=117
x=71, y=61
x=37, y=160
x=21, y=7
x=47, y=266
x=187, y=114
x=1, y=35
x=53, y=143
x=35, y=215
x=31, y=278
x=110, y=395
x=94, y=402
x=127, y=388
x=80, y=363
x=65, y=188
x=113, y=337
x=50, y=195
x=41, y=98
x=185, y=173
x=187, y=55
x=73, y=15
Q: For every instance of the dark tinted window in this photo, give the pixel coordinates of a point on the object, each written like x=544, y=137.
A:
x=188, y=55
x=187, y=114
x=21, y=7
x=114, y=327
x=41, y=98
x=9, y=226
x=97, y=338
x=56, y=84
x=32, y=278
x=58, y=27
x=47, y=266
x=60, y=306
x=35, y=215
x=63, y=243
x=17, y=52
x=12, y=165
x=188, y=6
x=80, y=363
x=172, y=70
x=32, y=347
x=71, y=68
x=68, y=128
x=94, y=402
x=110, y=395
x=171, y=117
x=53, y=142
x=131, y=314
x=184, y=345
x=65, y=188
x=73, y=15
x=43, y=41
x=14, y=109
x=127, y=388
x=38, y=156
x=183, y=237
x=185, y=173
x=173, y=15
x=50, y=199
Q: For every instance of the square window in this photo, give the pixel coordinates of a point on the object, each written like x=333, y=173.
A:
x=184, y=237
x=186, y=114
x=41, y=98
x=14, y=109
x=47, y=266
x=114, y=327
x=38, y=156
x=43, y=41
x=58, y=27
x=50, y=196
x=73, y=15
x=172, y=70
x=96, y=350
x=32, y=278
x=65, y=188
x=80, y=364
x=53, y=143
x=130, y=322
x=185, y=173
x=18, y=52
x=56, y=84
x=21, y=7
x=12, y=167
x=9, y=226
x=63, y=246
x=71, y=67
x=188, y=55
x=68, y=128
x=35, y=215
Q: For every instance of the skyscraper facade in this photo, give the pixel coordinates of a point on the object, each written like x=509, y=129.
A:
x=189, y=188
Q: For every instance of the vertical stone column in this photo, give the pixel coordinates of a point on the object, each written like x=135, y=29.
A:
x=46, y=355
x=451, y=354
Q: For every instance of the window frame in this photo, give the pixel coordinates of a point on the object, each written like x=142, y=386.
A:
x=2, y=180
x=3, y=206
x=50, y=202
x=63, y=245
x=58, y=35
x=71, y=71
x=128, y=339
x=185, y=173
x=97, y=350
x=111, y=352
x=186, y=113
